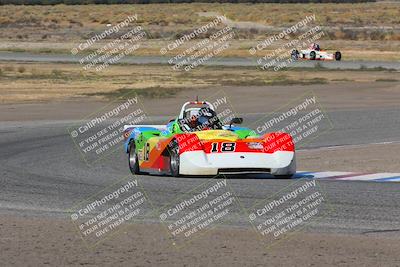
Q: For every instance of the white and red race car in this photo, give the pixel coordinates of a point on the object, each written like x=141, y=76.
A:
x=314, y=52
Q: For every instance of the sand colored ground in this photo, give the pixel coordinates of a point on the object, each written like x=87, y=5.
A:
x=55, y=242
x=24, y=82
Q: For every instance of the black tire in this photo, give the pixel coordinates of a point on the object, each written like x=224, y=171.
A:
x=295, y=54
x=133, y=159
x=283, y=176
x=338, y=55
x=313, y=55
x=174, y=159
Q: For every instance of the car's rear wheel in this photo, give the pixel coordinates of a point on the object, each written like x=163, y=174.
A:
x=174, y=159
x=338, y=55
x=313, y=55
x=133, y=159
x=295, y=54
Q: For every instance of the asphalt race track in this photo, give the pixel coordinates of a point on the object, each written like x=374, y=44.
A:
x=228, y=62
x=42, y=173
x=76, y=95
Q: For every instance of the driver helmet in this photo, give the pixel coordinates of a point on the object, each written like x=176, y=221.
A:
x=314, y=46
x=208, y=119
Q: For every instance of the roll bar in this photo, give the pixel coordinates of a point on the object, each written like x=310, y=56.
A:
x=194, y=103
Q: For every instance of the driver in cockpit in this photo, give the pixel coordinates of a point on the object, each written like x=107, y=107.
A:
x=205, y=119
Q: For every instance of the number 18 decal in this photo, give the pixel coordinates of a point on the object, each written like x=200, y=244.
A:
x=225, y=147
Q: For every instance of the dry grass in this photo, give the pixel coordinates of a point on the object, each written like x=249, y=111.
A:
x=44, y=82
x=368, y=31
x=162, y=21
x=377, y=14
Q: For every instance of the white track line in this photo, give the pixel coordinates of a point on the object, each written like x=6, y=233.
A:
x=352, y=176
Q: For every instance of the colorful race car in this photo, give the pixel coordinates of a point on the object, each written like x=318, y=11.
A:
x=314, y=52
x=197, y=143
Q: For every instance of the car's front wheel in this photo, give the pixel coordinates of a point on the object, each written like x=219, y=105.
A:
x=133, y=159
x=174, y=159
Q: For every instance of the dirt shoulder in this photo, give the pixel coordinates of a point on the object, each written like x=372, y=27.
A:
x=54, y=242
x=244, y=99
x=363, y=158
